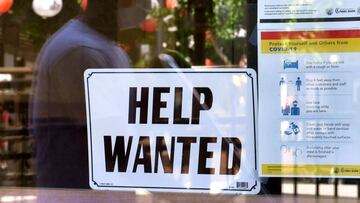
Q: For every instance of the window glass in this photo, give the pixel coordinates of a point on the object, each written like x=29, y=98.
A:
x=46, y=45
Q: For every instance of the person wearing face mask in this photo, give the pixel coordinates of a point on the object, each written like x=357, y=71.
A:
x=57, y=107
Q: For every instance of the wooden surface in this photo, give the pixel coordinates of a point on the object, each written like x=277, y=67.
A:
x=15, y=70
x=88, y=196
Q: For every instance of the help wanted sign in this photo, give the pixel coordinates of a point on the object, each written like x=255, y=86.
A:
x=175, y=130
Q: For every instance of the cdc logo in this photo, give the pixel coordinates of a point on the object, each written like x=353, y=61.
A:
x=329, y=11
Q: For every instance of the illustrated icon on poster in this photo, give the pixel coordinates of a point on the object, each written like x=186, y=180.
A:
x=295, y=110
x=288, y=64
x=282, y=82
x=292, y=129
x=284, y=148
x=298, y=83
x=286, y=109
x=296, y=152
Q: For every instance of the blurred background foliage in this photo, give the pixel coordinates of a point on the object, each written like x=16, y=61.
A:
x=207, y=32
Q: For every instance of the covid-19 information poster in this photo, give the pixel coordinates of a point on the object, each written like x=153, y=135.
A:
x=309, y=88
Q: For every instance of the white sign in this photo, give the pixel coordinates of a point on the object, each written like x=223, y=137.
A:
x=309, y=88
x=172, y=130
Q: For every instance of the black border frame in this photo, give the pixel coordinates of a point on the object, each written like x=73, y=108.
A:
x=94, y=71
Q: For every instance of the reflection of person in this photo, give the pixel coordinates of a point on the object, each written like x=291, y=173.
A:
x=5, y=117
x=57, y=107
x=243, y=61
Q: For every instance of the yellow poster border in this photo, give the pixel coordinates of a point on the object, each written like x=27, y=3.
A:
x=301, y=46
x=311, y=170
